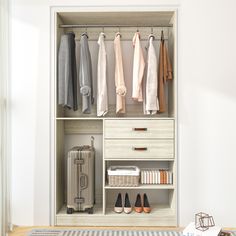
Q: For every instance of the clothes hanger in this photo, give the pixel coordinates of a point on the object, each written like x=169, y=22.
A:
x=103, y=33
x=118, y=33
x=151, y=35
x=85, y=33
x=162, y=36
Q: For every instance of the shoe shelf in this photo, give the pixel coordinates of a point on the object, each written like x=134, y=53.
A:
x=157, y=210
x=159, y=216
x=144, y=186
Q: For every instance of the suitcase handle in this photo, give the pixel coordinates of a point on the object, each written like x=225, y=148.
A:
x=83, y=181
x=92, y=141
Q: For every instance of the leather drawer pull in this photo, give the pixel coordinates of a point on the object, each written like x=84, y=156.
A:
x=140, y=148
x=140, y=129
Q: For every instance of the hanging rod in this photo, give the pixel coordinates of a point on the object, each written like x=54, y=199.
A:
x=111, y=26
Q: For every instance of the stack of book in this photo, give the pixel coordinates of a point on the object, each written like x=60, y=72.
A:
x=156, y=176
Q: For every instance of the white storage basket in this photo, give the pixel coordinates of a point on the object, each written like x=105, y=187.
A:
x=123, y=176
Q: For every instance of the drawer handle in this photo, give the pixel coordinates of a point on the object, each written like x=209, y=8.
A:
x=139, y=129
x=140, y=148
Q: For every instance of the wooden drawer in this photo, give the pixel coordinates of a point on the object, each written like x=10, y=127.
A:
x=135, y=149
x=140, y=129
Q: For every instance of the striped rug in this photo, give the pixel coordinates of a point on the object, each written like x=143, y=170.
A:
x=48, y=232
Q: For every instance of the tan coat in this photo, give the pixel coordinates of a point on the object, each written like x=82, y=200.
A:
x=164, y=74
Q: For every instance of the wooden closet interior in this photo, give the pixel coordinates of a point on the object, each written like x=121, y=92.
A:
x=113, y=136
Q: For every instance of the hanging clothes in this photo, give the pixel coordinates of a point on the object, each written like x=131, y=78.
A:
x=164, y=74
x=151, y=99
x=138, y=68
x=119, y=76
x=67, y=76
x=85, y=75
x=102, y=98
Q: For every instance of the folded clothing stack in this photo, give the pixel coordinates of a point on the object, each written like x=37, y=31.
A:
x=156, y=176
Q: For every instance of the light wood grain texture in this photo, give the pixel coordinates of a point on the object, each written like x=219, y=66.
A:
x=123, y=148
x=145, y=186
x=161, y=215
x=159, y=139
x=131, y=129
x=139, y=18
x=83, y=127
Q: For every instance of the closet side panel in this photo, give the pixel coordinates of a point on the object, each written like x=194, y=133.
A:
x=60, y=181
x=60, y=32
x=172, y=56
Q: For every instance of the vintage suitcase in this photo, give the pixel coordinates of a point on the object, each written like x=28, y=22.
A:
x=81, y=179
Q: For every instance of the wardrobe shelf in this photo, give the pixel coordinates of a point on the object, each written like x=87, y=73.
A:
x=97, y=211
x=145, y=186
x=140, y=159
x=159, y=216
x=79, y=118
x=113, y=118
x=132, y=111
x=157, y=211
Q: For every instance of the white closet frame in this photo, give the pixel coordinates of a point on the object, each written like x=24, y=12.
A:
x=53, y=67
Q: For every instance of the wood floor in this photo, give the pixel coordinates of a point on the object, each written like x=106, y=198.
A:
x=22, y=231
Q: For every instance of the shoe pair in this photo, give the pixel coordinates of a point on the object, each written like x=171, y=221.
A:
x=140, y=205
x=119, y=206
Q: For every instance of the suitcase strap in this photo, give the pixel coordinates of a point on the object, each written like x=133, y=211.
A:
x=79, y=162
x=79, y=200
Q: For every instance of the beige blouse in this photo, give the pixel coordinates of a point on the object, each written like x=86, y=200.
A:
x=138, y=69
x=119, y=77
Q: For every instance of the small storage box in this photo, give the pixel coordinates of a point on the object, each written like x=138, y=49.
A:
x=123, y=176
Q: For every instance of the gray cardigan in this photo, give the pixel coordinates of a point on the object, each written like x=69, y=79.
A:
x=85, y=75
x=67, y=78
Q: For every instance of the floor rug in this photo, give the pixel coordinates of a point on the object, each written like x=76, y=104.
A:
x=62, y=232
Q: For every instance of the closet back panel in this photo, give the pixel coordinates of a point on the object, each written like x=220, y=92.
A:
x=72, y=140
x=133, y=108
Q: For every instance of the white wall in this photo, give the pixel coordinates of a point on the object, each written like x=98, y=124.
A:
x=207, y=107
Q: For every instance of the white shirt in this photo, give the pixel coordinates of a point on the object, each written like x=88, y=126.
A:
x=102, y=98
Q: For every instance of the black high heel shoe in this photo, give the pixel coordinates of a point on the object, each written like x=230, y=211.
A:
x=118, y=205
x=146, y=205
x=127, y=206
x=138, y=204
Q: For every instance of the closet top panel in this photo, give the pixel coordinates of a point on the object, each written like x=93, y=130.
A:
x=118, y=18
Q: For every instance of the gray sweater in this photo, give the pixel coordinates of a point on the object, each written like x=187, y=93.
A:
x=67, y=78
x=85, y=75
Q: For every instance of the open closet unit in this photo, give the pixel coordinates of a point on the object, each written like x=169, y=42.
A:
x=132, y=138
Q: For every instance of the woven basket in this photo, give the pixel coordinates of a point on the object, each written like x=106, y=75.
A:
x=121, y=179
